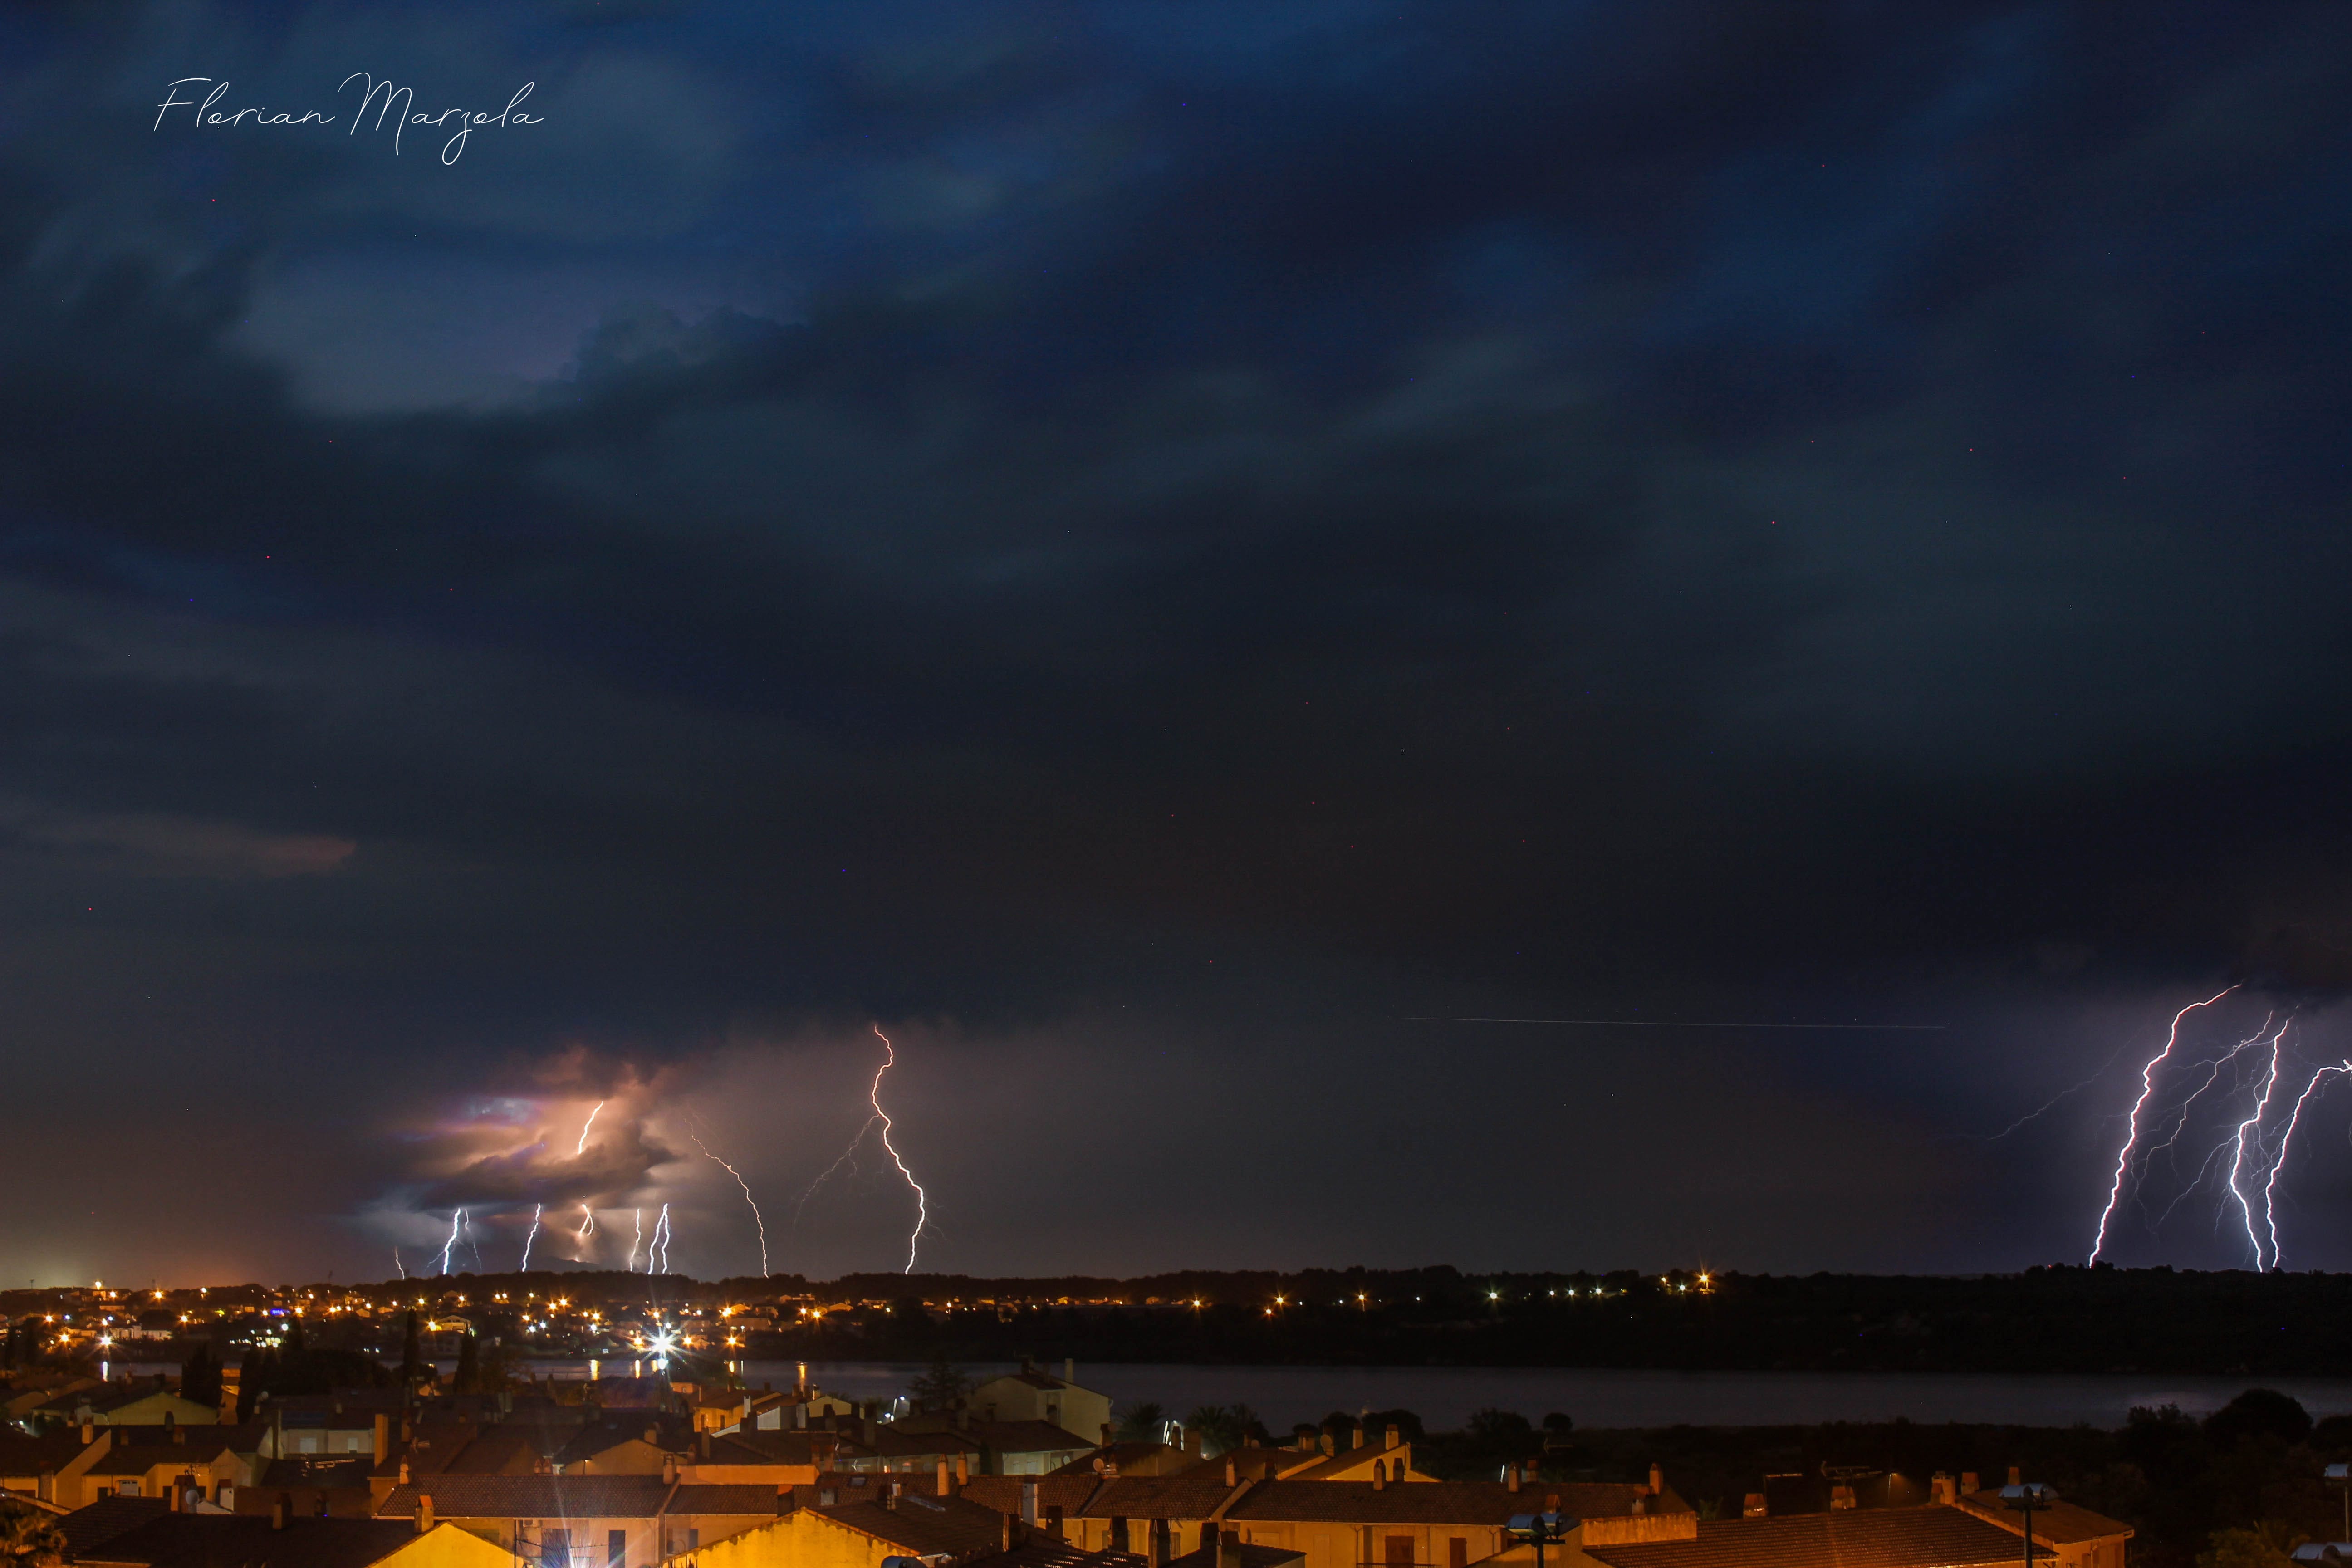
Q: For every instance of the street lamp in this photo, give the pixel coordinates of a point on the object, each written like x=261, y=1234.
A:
x=2025, y=1499
x=1539, y=1529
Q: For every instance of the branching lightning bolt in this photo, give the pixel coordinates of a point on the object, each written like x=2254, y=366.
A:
x=527, y=1240
x=2131, y=1137
x=922, y=1199
x=2253, y=1123
x=660, y=1247
x=456, y=1218
x=2286, y=1136
x=747, y=1198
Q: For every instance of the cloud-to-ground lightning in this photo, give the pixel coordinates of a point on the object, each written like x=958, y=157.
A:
x=660, y=1244
x=2253, y=1123
x=922, y=1199
x=456, y=1218
x=881, y=1118
x=2131, y=1133
x=2286, y=1137
x=396, y=1263
x=527, y=1240
x=747, y=1198
x=636, y=1241
x=587, y=1224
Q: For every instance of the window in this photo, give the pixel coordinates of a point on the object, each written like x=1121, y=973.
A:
x=1457, y=1552
x=616, y=1548
x=1398, y=1551
x=126, y=1489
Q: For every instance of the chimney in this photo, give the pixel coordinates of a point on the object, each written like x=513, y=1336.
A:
x=1391, y=1437
x=171, y=1421
x=1069, y=1370
x=2016, y=1476
x=1967, y=1483
x=1155, y=1533
x=1511, y=1474
x=45, y=1486
x=88, y=1429
x=1752, y=1507
x=1233, y=1474
x=1008, y=1532
x=1359, y=1435
x=783, y=1501
x=1217, y=1530
x=382, y=1437
x=179, y=1433
x=1551, y=1502
x=1029, y=1504
x=1192, y=1442
x=175, y=1500
x=1657, y=1482
x=403, y=1472
x=963, y=1468
x=669, y=1470
x=424, y=1513
x=889, y=1496
x=1327, y=1444
x=702, y=1446
x=1380, y=1475
x=278, y=1511
x=946, y=1487
x=653, y=1436
x=1939, y=1489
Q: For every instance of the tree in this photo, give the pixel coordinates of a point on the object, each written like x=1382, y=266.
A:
x=2267, y=1545
x=412, y=1355
x=255, y=1375
x=1494, y=1425
x=1142, y=1422
x=200, y=1376
x=940, y=1387
x=2258, y=1412
x=468, y=1379
x=28, y=1539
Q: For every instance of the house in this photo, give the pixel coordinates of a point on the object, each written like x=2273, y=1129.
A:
x=139, y=1401
x=123, y=1461
x=28, y=1465
x=584, y=1522
x=1441, y=1525
x=1030, y=1394
x=179, y=1539
x=1927, y=1536
x=1133, y=1460
x=863, y=1523
x=310, y=1487
x=2079, y=1538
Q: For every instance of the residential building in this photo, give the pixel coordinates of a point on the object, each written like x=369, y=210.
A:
x=1928, y=1536
x=2078, y=1537
x=1031, y=1394
x=181, y=1540
x=585, y=1521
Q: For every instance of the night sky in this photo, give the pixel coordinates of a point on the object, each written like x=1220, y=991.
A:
x=1146, y=547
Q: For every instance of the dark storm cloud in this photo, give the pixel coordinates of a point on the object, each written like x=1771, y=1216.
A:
x=975, y=511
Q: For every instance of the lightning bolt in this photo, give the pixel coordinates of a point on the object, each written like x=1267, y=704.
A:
x=587, y=1224
x=747, y=1198
x=2131, y=1136
x=396, y=1263
x=581, y=1148
x=922, y=1199
x=457, y=1217
x=527, y=1240
x=636, y=1240
x=882, y=1117
x=2253, y=1123
x=2286, y=1136
x=660, y=1243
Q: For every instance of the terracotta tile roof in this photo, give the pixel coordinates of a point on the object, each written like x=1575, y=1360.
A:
x=1026, y=1436
x=531, y=1497
x=1002, y=1493
x=206, y=1540
x=137, y=1458
x=1157, y=1496
x=1138, y=1457
x=23, y=1456
x=925, y=1526
x=1242, y=1553
x=1930, y=1537
x=2062, y=1522
x=737, y=1498
x=890, y=1443
x=1438, y=1502
x=86, y=1529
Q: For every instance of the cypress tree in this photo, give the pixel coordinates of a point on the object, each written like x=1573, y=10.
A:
x=412, y=1355
x=470, y=1369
